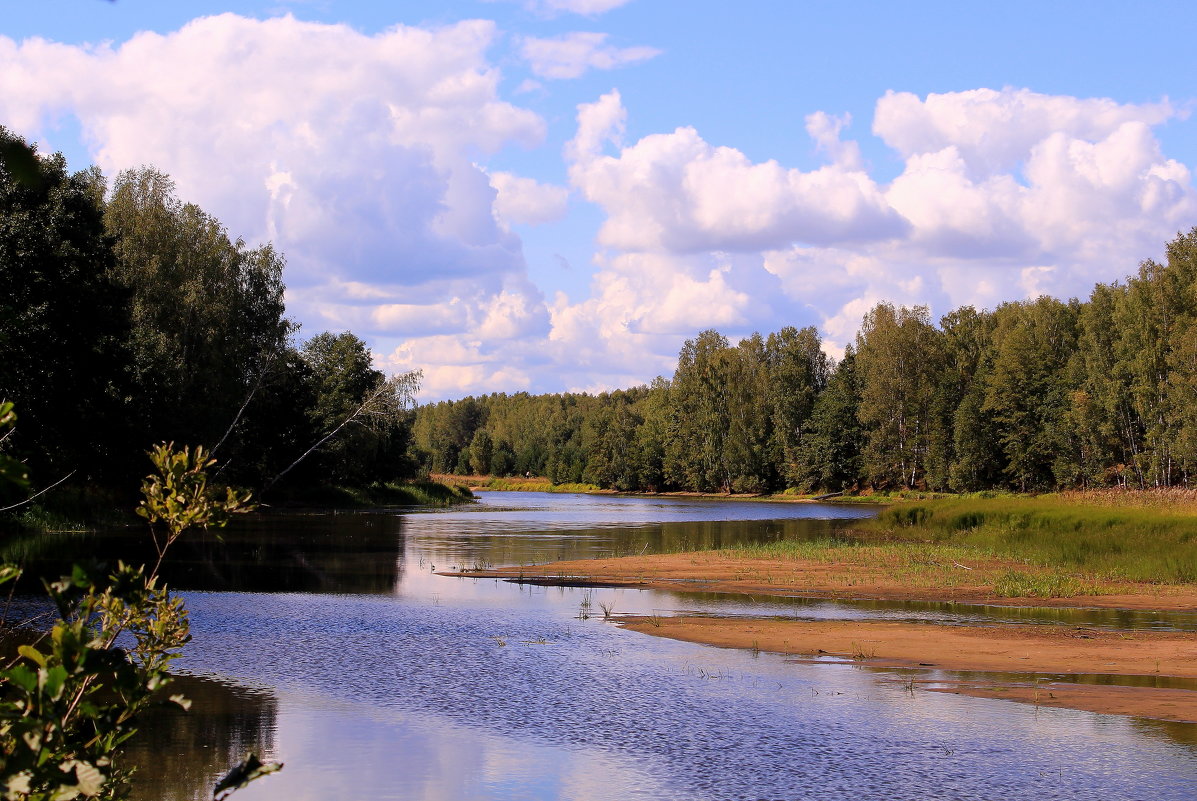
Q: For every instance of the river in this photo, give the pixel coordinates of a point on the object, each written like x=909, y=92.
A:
x=328, y=642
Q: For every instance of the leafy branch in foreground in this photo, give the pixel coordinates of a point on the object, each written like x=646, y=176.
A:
x=70, y=699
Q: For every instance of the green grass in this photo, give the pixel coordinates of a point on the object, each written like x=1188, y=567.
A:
x=414, y=493
x=1141, y=537
x=1021, y=584
x=514, y=484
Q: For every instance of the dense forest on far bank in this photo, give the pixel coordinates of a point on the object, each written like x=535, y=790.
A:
x=1033, y=395
x=129, y=317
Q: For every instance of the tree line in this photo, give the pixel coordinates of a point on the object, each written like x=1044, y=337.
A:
x=130, y=317
x=1032, y=395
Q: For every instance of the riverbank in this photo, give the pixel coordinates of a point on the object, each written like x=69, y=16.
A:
x=996, y=650
x=885, y=572
x=1066, y=654
x=85, y=510
x=486, y=483
x=1118, y=551
x=409, y=493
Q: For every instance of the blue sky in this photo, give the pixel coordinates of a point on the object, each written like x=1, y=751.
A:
x=554, y=194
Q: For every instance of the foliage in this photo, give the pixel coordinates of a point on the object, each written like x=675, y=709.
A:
x=12, y=472
x=62, y=320
x=178, y=495
x=206, y=312
x=71, y=698
x=1033, y=396
x=132, y=316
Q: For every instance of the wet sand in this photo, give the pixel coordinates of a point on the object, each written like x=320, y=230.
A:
x=715, y=571
x=1154, y=655
x=883, y=644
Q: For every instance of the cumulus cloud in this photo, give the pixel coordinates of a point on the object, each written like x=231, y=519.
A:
x=363, y=157
x=677, y=192
x=525, y=200
x=994, y=130
x=1004, y=194
x=573, y=54
x=355, y=154
x=589, y=8
x=825, y=130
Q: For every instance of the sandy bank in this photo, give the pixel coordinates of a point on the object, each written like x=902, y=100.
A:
x=715, y=571
x=996, y=650
x=1152, y=655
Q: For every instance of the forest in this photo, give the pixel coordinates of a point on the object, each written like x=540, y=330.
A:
x=1031, y=396
x=133, y=318
x=130, y=318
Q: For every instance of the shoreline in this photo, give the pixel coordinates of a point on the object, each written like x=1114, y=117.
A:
x=515, y=484
x=1156, y=657
x=722, y=572
x=1058, y=652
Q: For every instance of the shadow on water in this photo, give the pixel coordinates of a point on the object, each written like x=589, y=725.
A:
x=181, y=755
x=344, y=553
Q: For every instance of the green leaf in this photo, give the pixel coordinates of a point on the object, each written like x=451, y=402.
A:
x=55, y=679
x=32, y=654
x=9, y=573
x=22, y=676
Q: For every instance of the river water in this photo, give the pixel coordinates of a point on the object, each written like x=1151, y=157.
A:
x=329, y=642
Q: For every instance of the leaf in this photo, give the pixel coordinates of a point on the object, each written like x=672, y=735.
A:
x=55, y=679
x=250, y=769
x=22, y=676
x=32, y=654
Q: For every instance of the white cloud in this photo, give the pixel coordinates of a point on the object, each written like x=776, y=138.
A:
x=356, y=154
x=1004, y=194
x=525, y=200
x=678, y=193
x=825, y=130
x=573, y=54
x=589, y=8
x=995, y=130
x=363, y=157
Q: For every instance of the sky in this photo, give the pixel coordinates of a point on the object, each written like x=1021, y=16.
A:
x=553, y=195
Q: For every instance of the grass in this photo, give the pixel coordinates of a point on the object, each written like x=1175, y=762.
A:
x=414, y=493
x=1022, y=584
x=1120, y=536
x=913, y=563
x=513, y=484
x=1047, y=546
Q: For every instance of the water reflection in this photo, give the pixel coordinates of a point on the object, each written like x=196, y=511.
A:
x=385, y=680
x=350, y=553
x=179, y=756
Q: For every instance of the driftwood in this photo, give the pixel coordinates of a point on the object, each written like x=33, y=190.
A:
x=828, y=495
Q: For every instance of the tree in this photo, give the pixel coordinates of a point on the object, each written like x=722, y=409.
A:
x=362, y=416
x=207, y=312
x=898, y=359
x=62, y=322
x=71, y=699
x=482, y=449
x=694, y=451
x=747, y=445
x=829, y=451
x=1027, y=392
x=798, y=372
x=964, y=452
